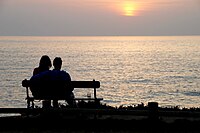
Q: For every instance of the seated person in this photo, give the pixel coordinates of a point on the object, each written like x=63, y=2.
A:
x=58, y=74
x=44, y=65
x=52, y=84
x=39, y=84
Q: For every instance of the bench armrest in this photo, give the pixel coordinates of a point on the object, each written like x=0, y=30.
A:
x=25, y=83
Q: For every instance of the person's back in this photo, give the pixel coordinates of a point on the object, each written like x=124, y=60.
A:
x=44, y=65
x=61, y=75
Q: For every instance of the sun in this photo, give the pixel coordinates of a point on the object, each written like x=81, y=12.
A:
x=129, y=8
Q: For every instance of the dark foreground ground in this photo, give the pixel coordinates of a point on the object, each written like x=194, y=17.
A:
x=139, y=119
x=109, y=125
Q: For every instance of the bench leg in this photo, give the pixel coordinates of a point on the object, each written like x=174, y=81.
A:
x=28, y=103
x=55, y=103
x=33, y=105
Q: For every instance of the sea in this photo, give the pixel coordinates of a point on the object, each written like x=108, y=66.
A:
x=132, y=70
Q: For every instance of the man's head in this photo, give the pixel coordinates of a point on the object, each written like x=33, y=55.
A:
x=57, y=63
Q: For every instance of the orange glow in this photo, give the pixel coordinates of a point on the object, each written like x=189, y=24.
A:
x=129, y=8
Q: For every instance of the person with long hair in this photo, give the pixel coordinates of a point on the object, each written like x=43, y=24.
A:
x=44, y=64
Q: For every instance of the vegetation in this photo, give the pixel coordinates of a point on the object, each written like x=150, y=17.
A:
x=141, y=106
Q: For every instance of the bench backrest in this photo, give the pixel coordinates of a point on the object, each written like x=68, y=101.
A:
x=57, y=89
x=83, y=84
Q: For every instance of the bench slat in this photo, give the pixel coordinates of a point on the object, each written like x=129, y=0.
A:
x=84, y=84
x=89, y=99
x=73, y=84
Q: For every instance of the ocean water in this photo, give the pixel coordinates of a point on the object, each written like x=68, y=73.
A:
x=131, y=70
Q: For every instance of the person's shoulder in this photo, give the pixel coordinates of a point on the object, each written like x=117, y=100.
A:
x=64, y=72
x=36, y=70
x=41, y=74
x=65, y=75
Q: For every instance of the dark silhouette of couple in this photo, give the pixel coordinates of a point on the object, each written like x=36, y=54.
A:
x=43, y=73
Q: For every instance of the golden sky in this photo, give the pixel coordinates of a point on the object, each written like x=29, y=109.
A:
x=100, y=17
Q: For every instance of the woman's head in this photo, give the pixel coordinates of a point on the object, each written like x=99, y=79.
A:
x=45, y=63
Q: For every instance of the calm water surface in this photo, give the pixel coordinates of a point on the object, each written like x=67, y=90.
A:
x=131, y=70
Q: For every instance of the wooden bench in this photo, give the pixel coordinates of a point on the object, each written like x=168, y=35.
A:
x=58, y=90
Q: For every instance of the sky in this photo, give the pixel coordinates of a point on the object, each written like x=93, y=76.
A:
x=99, y=17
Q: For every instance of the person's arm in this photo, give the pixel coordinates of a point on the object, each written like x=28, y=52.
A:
x=35, y=71
x=67, y=77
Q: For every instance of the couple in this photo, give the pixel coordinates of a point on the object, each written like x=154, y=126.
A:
x=43, y=72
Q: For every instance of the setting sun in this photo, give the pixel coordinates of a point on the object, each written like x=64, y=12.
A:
x=129, y=8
